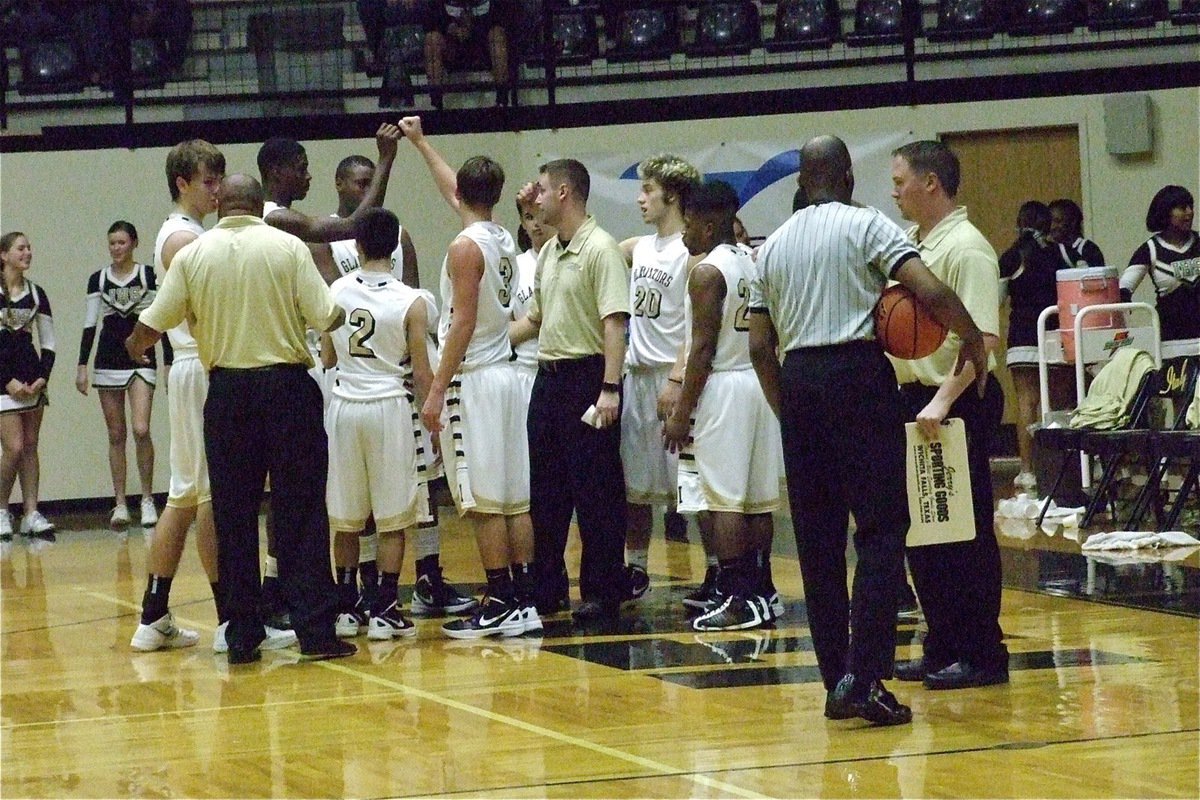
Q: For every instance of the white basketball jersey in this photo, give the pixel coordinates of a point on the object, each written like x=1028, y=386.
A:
x=345, y=255
x=372, y=344
x=269, y=206
x=733, y=339
x=657, y=290
x=489, y=344
x=180, y=336
x=526, y=269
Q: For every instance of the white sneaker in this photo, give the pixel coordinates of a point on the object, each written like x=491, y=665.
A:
x=531, y=619
x=149, y=512
x=34, y=524
x=390, y=625
x=349, y=624
x=1025, y=480
x=119, y=520
x=276, y=639
x=162, y=634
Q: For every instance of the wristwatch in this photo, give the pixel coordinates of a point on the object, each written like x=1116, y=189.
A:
x=610, y=387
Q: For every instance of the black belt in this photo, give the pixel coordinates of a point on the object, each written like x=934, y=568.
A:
x=567, y=364
x=264, y=368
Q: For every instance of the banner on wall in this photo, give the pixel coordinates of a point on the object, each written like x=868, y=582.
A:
x=763, y=173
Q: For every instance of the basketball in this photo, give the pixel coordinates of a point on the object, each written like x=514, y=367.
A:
x=904, y=327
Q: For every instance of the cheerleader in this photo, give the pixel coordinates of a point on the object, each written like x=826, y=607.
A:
x=24, y=371
x=116, y=295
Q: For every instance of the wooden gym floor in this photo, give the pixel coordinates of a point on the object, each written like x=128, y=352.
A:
x=1103, y=700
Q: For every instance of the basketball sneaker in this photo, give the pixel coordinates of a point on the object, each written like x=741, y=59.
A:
x=34, y=525
x=704, y=596
x=351, y=623
x=390, y=625
x=162, y=634
x=530, y=618
x=771, y=605
x=494, y=618
x=149, y=513
x=432, y=596
x=276, y=639
x=735, y=613
x=119, y=520
x=637, y=582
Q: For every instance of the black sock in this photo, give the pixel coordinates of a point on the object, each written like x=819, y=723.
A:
x=428, y=565
x=386, y=592
x=731, y=576
x=368, y=575
x=347, y=587
x=523, y=582
x=157, y=598
x=765, y=579
x=500, y=584
x=219, y=601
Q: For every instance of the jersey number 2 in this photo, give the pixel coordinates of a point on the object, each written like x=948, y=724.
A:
x=364, y=328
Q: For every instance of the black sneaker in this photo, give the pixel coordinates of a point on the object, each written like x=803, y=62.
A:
x=335, y=648
x=703, y=597
x=736, y=613
x=493, y=618
x=432, y=596
x=637, y=582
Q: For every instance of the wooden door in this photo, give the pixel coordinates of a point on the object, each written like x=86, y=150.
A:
x=1001, y=169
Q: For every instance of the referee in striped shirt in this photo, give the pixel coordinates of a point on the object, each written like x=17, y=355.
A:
x=821, y=274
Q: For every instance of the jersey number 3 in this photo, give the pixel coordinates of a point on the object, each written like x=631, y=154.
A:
x=364, y=328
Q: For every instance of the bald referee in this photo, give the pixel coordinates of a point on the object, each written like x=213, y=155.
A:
x=821, y=274
x=248, y=292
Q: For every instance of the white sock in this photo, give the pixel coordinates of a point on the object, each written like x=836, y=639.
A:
x=368, y=546
x=429, y=542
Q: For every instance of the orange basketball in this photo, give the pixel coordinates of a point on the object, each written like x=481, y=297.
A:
x=904, y=327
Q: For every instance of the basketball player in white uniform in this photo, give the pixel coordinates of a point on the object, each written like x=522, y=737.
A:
x=374, y=448
x=355, y=556
x=194, y=171
x=727, y=436
x=477, y=401
x=658, y=288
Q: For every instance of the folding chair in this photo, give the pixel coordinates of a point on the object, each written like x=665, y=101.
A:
x=1166, y=448
x=1071, y=442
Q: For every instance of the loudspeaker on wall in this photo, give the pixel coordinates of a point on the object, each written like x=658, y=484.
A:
x=1127, y=124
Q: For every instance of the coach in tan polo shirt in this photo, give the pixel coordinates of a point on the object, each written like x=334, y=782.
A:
x=579, y=312
x=248, y=291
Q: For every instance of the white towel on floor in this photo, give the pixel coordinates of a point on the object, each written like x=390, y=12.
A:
x=1136, y=540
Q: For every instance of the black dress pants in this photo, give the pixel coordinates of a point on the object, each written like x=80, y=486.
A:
x=958, y=583
x=260, y=422
x=574, y=468
x=843, y=448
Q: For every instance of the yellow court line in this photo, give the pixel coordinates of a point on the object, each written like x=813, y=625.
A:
x=538, y=730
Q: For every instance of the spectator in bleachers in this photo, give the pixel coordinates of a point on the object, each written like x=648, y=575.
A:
x=466, y=34
x=379, y=15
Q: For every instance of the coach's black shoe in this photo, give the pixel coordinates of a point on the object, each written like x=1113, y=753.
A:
x=910, y=670
x=881, y=707
x=875, y=704
x=240, y=656
x=962, y=675
x=838, y=703
x=593, y=611
x=334, y=648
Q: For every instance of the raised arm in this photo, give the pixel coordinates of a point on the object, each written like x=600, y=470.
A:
x=443, y=176
x=334, y=229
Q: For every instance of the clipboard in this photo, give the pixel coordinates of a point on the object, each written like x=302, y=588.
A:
x=939, y=486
